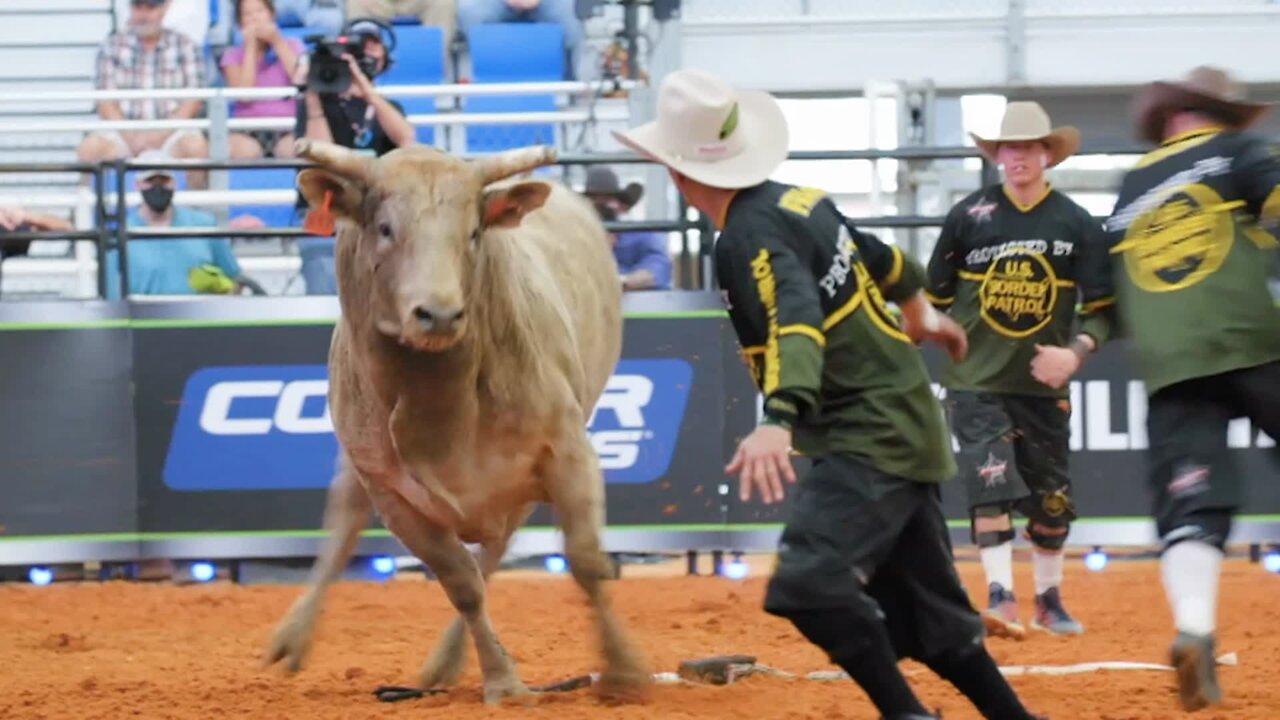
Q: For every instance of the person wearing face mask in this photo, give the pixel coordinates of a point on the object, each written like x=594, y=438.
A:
x=185, y=266
x=1013, y=264
x=643, y=262
x=148, y=56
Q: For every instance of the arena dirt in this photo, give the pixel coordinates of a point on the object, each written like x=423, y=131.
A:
x=128, y=650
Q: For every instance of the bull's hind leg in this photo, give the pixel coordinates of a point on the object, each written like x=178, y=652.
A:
x=576, y=487
x=458, y=574
x=346, y=513
x=444, y=665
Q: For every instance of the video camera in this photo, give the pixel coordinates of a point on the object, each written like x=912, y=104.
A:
x=329, y=73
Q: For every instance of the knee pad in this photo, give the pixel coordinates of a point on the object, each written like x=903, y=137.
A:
x=1048, y=535
x=1212, y=527
x=991, y=538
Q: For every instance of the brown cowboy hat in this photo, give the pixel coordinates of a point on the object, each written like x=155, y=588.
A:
x=602, y=181
x=1026, y=121
x=1208, y=89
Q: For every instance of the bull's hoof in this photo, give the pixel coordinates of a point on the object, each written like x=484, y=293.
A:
x=396, y=693
x=508, y=692
x=618, y=687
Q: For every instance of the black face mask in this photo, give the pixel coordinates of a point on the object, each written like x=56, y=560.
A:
x=606, y=212
x=158, y=198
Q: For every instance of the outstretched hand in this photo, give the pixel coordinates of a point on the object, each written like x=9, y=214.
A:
x=763, y=461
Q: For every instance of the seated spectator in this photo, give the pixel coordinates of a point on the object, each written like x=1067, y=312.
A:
x=437, y=13
x=15, y=219
x=643, y=262
x=323, y=16
x=359, y=118
x=184, y=266
x=265, y=59
x=561, y=12
x=147, y=56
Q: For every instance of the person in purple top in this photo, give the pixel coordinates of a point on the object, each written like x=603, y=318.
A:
x=643, y=261
x=264, y=58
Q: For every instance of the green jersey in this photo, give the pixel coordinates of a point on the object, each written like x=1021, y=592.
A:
x=1191, y=262
x=1013, y=276
x=806, y=295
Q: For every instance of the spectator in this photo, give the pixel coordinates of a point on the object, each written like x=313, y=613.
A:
x=16, y=219
x=438, y=13
x=265, y=59
x=358, y=118
x=561, y=12
x=643, y=262
x=148, y=56
x=323, y=16
x=172, y=267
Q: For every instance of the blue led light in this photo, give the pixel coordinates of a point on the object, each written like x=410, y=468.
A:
x=735, y=570
x=202, y=571
x=40, y=575
x=556, y=564
x=384, y=565
x=1096, y=561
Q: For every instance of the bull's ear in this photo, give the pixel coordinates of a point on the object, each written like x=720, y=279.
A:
x=328, y=194
x=508, y=206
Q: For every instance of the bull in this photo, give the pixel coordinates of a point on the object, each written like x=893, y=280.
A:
x=480, y=320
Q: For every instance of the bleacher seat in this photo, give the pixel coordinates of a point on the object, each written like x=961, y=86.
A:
x=419, y=60
x=263, y=179
x=513, y=53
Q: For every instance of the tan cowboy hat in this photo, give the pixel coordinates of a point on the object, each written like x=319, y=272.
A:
x=1204, y=88
x=1026, y=121
x=712, y=132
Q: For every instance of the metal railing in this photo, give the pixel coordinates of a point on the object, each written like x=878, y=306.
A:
x=111, y=231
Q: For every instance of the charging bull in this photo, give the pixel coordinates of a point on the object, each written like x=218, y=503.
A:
x=480, y=322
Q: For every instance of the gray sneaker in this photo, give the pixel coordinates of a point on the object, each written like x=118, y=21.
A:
x=1051, y=617
x=1001, y=615
x=1192, y=658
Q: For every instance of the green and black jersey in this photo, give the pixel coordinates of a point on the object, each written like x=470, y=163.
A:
x=1191, y=263
x=806, y=295
x=1013, y=277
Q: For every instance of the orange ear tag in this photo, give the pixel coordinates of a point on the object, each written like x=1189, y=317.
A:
x=319, y=221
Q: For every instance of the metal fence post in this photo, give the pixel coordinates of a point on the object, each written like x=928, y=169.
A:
x=122, y=232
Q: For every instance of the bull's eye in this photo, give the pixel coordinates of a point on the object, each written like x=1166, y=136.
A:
x=384, y=230
x=475, y=236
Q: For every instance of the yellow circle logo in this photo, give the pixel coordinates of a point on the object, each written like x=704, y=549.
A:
x=1181, y=242
x=1018, y=293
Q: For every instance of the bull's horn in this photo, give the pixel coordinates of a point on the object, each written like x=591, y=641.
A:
x=498, y=166
x=334, y=157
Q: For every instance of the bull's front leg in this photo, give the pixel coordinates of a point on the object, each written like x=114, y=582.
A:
x=346, y=513
x=456, y=570
x=444, y=665
x=576, y=488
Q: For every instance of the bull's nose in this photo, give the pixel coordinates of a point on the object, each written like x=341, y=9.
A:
x=435, y=318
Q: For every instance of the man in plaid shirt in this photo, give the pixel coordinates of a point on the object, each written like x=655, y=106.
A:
x=143, y=57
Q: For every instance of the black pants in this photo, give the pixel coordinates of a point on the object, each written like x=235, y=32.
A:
x=1192, y=474
x=1013, y=456
x=858, y=538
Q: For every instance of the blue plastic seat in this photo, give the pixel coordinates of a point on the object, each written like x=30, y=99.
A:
x=263, y=179
x=513, y=53
x=419, y=60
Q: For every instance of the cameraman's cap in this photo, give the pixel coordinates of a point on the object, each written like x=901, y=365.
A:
x=365, y=28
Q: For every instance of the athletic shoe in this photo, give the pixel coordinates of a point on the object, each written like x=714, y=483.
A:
x=1052, y=617
x=1192, y=659
x=1001, y=615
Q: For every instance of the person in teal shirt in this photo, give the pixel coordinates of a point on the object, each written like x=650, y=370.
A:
x=172, y=267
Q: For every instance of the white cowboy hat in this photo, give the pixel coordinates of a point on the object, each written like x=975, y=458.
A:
x=714, y=133
x=1026, y=121
x=1204, y=88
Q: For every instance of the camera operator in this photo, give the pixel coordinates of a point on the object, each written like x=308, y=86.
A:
x=351, y=114
x=357, y=117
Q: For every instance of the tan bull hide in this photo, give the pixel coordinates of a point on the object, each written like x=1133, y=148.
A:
x=480, y=322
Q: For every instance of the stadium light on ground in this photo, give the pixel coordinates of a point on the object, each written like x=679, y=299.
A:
x=556, y=564
x=40, y=575
x=384, y=565
x=1096, y=560
x=735, y=570
x=203, y=571
x=1271, y=561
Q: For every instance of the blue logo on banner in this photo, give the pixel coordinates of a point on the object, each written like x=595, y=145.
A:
x=267, y=427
